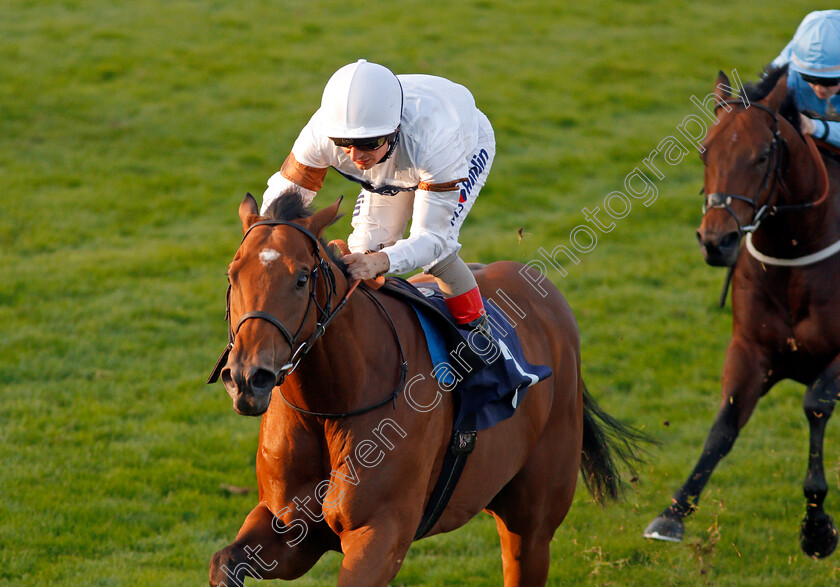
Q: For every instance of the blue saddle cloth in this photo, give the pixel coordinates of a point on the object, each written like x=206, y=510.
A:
x=493, y=393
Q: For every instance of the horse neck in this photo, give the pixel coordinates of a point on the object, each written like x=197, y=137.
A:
x=803, y=229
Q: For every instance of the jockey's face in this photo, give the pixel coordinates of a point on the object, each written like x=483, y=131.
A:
x=825, y=92
x=366, y=159
x=823, y=87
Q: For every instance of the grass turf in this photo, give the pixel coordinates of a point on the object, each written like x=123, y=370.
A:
x=130, y=132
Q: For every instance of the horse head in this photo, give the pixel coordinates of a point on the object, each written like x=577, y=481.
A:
x=744, y=155
x=281, y=290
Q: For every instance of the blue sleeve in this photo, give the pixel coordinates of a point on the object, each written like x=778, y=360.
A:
x=833, y=132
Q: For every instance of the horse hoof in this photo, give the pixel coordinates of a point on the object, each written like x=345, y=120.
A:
x=220, y=573
x=818, y=535
x=664, y=528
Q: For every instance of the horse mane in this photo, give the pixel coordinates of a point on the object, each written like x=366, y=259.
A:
x=760, y=89
x=290, y=206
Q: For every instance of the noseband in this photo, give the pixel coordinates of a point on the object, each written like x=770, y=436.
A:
x=325, y=316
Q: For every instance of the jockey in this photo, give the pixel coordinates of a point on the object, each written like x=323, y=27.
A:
x=421, y=150
x=814, y=73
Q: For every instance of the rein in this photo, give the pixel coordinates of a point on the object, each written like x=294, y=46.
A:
x=326, y=315
x=370, y=408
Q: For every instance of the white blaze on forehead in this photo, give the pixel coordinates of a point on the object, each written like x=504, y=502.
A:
x=267, y=256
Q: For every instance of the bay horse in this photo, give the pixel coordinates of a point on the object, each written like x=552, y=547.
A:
x=766, y=180
x=354, y=429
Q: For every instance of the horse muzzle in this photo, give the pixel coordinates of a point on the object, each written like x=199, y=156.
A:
x=719, y=250
x=249, y=387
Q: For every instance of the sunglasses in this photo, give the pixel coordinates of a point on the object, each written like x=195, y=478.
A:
x=369, y=144
x=821, y=81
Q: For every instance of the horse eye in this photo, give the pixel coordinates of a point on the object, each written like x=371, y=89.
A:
x=302, y=279
x=763, y=159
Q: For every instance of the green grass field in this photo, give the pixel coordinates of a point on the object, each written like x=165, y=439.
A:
x=129, y=133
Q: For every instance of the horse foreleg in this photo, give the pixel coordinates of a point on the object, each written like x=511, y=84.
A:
x=373, y=554
x=743, y=385
x=266, y=548
x=669, y=524
x=818, y=535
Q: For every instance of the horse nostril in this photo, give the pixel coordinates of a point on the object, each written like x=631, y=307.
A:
x=227, y=378
x=729, y=240
x=262, y=380
x=699, y=237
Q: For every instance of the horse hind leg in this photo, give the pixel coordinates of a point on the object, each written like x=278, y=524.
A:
x=531, y=506
x=535, y=502
x=525, y=555
x=818, y=534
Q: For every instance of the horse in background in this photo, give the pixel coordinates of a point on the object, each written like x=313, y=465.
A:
x=768, y=185
x=351, y=444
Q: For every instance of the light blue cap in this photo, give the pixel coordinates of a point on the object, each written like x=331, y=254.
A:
x=815, y=48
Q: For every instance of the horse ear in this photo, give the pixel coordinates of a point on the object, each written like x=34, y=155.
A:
x=323, y=218
x=721, y=83
x=777, y=96
x=248, y=212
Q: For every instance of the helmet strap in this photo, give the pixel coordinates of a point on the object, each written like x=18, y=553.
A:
x=392, y=144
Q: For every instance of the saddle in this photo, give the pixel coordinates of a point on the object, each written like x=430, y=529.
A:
x=437, y=322
x=486, y=379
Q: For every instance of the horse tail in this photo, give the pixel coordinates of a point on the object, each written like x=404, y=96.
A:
x=607, y=444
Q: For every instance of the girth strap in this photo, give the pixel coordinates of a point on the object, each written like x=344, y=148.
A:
x=460, y=448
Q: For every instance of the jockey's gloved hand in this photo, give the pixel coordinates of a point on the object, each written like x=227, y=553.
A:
x=807, y=124
x=366, y=265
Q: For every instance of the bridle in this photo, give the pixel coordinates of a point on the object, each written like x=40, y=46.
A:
x=774, y=173
x=326, y=314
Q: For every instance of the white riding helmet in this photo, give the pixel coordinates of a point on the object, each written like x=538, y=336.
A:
x=361, y=100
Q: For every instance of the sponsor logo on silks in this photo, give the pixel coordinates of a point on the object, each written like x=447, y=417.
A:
x=477, y=165
x=426, y=291
x=358, y=207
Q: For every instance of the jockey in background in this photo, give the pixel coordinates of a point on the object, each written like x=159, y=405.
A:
x=813, y=56
x=421, y=150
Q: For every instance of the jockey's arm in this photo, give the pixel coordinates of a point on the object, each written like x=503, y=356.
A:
x=430, y=224
x=294, y=176
x=830, y=130
x=825, y=130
